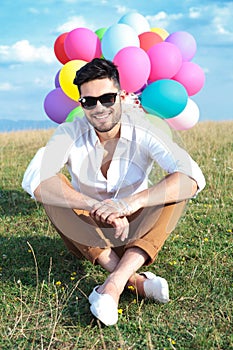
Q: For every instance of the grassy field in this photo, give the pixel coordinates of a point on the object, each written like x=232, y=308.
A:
x=44, y=289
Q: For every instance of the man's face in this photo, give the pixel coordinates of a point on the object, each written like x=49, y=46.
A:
x=102, y=118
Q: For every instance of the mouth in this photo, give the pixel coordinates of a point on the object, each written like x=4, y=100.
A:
x=102, y=116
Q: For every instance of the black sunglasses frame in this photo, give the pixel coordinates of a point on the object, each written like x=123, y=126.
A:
x=90, y=102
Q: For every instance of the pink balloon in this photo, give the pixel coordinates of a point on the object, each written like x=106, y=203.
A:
x=191, y=76
x=187, y=118
x=185, y=42
x=134, y=68
x=58, y=105
x=82, y=44
x=165, y=61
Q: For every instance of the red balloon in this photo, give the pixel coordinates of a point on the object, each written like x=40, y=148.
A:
x=59, y=49
x=149, y=39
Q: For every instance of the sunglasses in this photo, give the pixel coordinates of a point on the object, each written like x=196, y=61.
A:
x=107, y=100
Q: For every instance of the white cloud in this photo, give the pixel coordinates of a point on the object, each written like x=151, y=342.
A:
x=121, y=9
x=222, y=21
x=72, y=23
x=194, y=13
x=33, y=10
x=162, y=19
x=23, y=51
x=6, y=87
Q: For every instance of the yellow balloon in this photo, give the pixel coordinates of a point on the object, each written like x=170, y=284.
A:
x=160, y=31
x=66, y=78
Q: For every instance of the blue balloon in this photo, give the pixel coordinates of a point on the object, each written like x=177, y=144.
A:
x=165, y=98
x=116, y=38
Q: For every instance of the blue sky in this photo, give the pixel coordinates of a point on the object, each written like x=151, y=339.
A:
x=29, y=29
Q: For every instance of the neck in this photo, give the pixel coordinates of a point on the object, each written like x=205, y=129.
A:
x=109, y=135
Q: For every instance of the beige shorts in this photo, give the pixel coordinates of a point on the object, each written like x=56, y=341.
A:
x=148, y=229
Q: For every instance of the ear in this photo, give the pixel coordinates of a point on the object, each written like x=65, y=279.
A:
x=123, y=94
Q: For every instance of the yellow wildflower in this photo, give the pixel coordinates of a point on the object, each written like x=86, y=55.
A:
x=172, y=341
x=120, y=311
x=132, y=288
x=58, y=283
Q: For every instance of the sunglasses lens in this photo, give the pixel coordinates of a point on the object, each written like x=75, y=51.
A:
x=88, y=102
x=107, y=100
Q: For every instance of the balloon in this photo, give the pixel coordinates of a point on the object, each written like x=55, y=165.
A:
x=135, y=20
x=164, y=98
x=162, y=32
x=56, y=80
x=75, y=113
x=82, y=44
x=100, y=32
x=191, y=76
x=159, y=124
x=187, y=118
x=165, y=60
x=149, y=39
x=57, y=105
x=116, y=38
x=59, y=49
x=66, y=78
x=133, y=66
x=185, y=42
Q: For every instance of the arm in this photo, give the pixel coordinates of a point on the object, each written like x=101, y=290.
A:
x=173, y=188
x=56, y=191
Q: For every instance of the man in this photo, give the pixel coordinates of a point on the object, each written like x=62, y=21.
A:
x=107, y=213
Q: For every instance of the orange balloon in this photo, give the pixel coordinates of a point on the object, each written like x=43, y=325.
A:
x=149, y=39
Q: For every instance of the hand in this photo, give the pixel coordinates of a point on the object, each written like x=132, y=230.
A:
x=110, y=209
x=113, y=212
x=122, y=228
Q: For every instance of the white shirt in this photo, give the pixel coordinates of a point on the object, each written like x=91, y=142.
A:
x=77, y=146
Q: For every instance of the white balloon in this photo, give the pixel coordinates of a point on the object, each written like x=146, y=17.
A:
x=187, y=118
x=135, y=20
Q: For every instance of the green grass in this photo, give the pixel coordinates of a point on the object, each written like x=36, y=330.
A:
x=44, y=289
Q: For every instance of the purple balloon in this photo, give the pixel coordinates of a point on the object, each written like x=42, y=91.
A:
x=56, y=80
x=185, y=42
x=58, y=105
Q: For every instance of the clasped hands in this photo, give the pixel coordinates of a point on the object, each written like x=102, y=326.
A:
x=114, y=212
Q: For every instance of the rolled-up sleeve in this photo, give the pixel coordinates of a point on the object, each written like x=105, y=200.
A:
x=48, y=160
x=32, y=176
x=172, y=158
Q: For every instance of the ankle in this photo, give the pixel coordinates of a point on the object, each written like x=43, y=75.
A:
x=135, y=284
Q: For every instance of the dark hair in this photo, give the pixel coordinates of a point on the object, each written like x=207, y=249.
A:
x=98, y=68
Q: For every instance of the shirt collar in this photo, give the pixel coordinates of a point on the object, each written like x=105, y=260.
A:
x=126, y=129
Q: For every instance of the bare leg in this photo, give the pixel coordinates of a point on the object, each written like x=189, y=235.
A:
x=124, y=271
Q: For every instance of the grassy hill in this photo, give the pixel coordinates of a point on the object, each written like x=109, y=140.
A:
x=43, y=289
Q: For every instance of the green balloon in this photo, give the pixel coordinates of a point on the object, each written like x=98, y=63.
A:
x=100, y=32
x=75, y=113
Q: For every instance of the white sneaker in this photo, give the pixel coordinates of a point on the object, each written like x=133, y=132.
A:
x=156, y=287
x=103, y=307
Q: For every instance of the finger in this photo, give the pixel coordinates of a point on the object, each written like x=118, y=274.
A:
x=125, y=231
x=112, y=217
